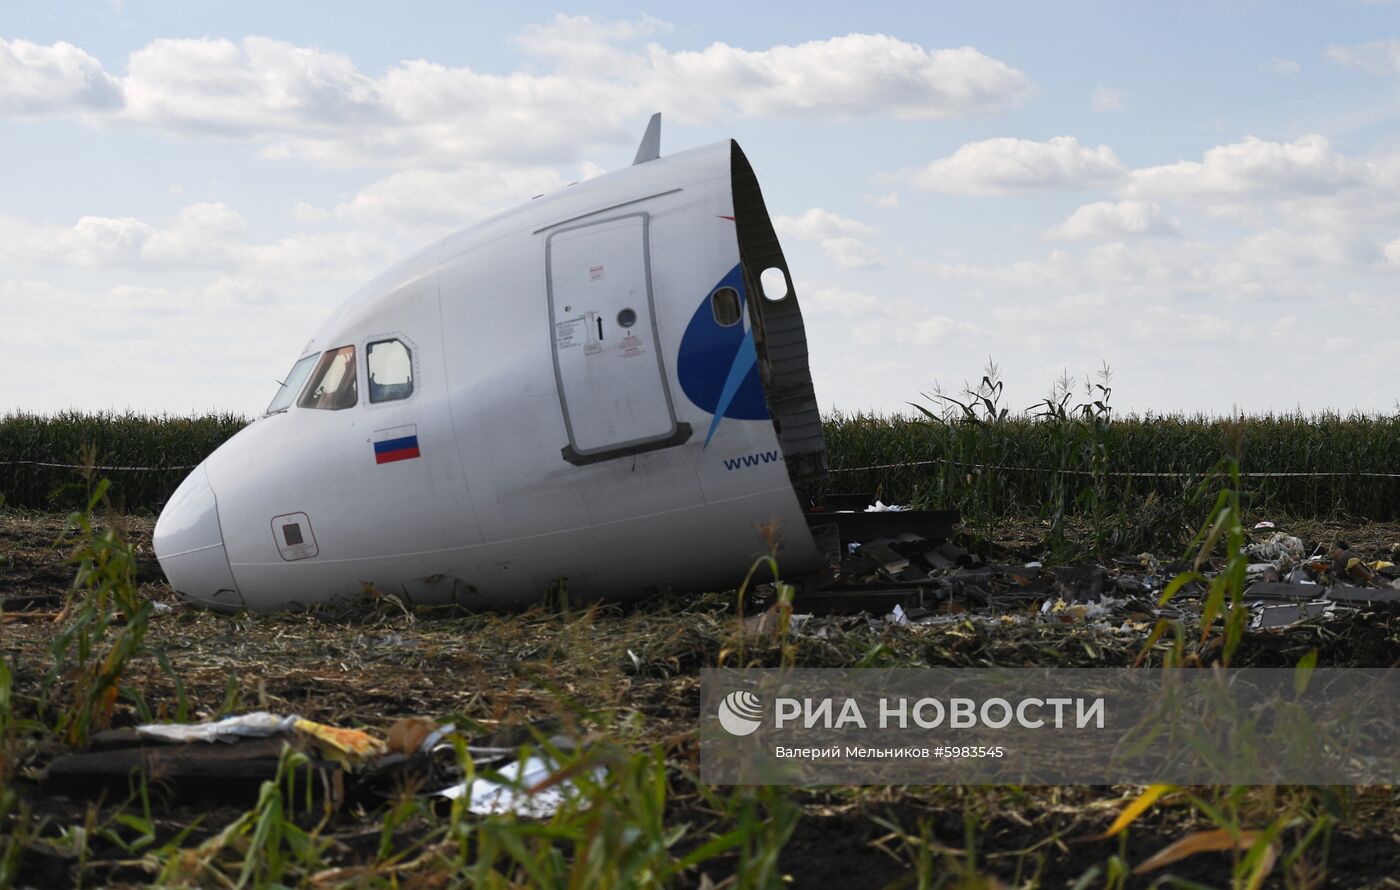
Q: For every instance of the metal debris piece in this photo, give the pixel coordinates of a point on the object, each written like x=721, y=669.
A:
x=1278, y=590
x=883, y=556
x=209, y=773
x=1337, y=593
x=848, y=501
x=1369, y=596
x=1266, y=617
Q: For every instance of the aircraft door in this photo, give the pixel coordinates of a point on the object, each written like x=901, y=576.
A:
x=611, y=375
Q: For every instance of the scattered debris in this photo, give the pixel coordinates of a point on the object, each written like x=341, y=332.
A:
x=909, y=566
x=1277, y=547
x=236, y=754
x=534, y=788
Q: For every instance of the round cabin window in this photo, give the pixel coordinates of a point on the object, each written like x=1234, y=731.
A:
x=627, y=318
x=725, y=304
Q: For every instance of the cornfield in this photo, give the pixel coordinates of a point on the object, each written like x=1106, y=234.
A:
x=986, y=462
x=1019, y=465
x=163, y=447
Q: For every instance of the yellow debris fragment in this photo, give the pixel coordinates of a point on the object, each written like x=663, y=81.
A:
x=346, y=746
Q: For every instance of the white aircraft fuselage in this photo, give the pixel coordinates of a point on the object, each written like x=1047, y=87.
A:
x=608, y=385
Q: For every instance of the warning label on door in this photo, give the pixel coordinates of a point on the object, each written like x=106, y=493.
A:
x=568, y=333
x=631, y=346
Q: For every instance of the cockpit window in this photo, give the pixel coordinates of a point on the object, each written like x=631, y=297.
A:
x=332, y=385
x=291, y=386
x=390, y=370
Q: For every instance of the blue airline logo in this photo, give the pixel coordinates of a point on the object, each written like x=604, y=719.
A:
x=718, y=365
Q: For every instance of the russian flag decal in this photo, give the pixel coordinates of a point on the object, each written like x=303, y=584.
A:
x=397, y=443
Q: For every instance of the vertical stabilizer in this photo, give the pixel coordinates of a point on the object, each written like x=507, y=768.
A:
x=650, y=149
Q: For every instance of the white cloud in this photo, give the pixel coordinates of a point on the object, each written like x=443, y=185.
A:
x=1172, y=269
x=927, y=330
x=581, y=43
x=1280, y=247
x=1107, y=100
x=92, y=241
x=887, y=200
x=1379, y=57
x=839, y=237
x=819, y=223
x=1110, y=219
x=872, y=321
x=1253, y=166
x=1283, y=67
x=1392, y=252
x=203, y=236
x=452, y=198
x=36, y=79
x=853, y=76
x=311, y=103
x=173, y=347
x=576, y=29
x=256, y=86
x=836, y=301
x=852, y=253
x=1004, y=166
x=340, y=256
x=1159, y=323
x=310, y=214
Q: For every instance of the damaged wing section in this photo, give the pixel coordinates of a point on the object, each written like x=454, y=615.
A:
x=779, y=335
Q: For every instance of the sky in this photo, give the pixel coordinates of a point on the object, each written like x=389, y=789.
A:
x=1202, y=196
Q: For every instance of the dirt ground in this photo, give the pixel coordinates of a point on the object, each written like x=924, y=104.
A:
x=634, y=673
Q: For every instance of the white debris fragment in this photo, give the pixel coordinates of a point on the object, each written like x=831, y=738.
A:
x=1277, y=547
x=881, y=507
x=257, y=725
x=1104, y=606
x=1083, y=611
x=435, y=738
x=488, y=798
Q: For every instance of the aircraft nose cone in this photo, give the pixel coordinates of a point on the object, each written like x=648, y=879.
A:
x=190, y=546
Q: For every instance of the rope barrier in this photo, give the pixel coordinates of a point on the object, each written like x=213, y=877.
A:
x=40, y=463
x=1145, y=474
